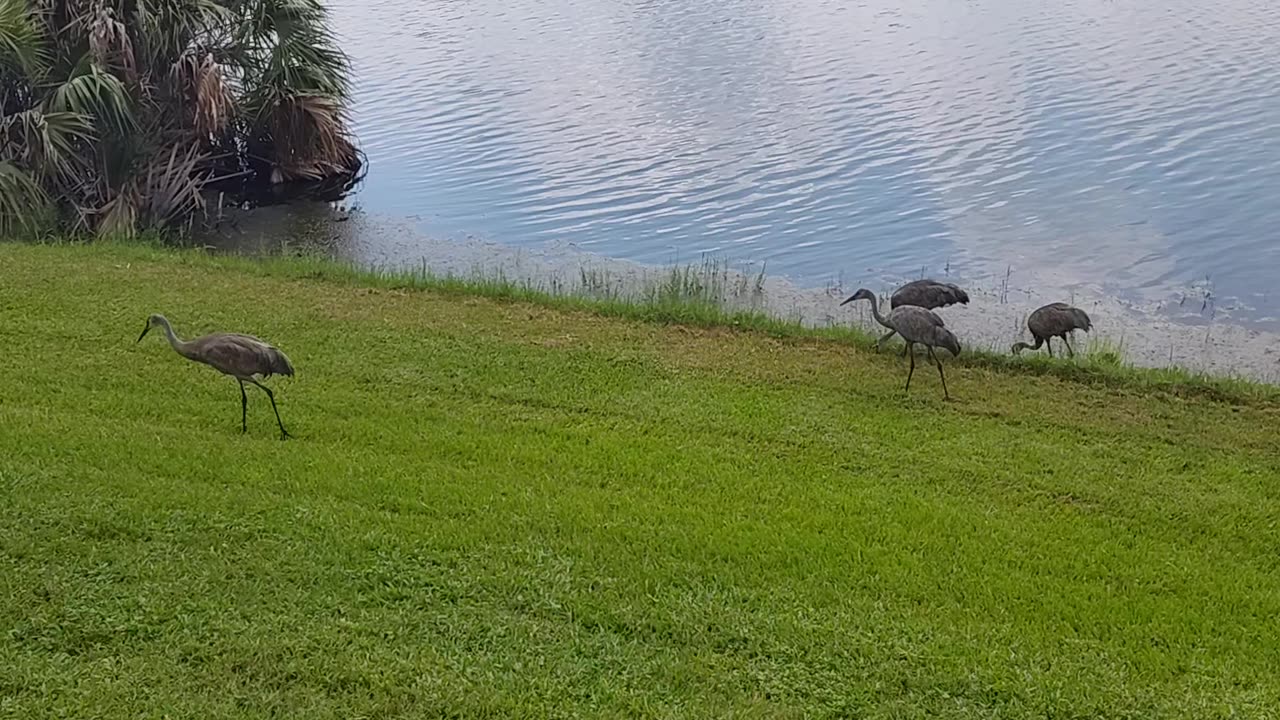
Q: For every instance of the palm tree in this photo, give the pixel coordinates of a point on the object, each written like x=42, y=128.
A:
x=117, y=113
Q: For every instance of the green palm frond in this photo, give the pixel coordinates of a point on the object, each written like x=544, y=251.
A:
x=169, y=29
x=23, y=202
x=22, y=40
x=93, y=93
x=51, y=143
x=295, y=50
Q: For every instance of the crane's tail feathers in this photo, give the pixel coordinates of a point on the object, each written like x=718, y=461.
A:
x=947, y=339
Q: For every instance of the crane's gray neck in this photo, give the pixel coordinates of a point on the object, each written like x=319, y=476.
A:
x=875, y=312
x=1020, y=346
x=175, y=342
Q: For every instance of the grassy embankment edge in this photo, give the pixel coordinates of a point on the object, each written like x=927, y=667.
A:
x=689, y=295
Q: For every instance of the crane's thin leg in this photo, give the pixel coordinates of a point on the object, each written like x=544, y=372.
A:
x=244, y=409
x=1070, y=350
x=911, y=354
x=1048, y=342
x=945, y=395
x=283, y=433
x=884, y=337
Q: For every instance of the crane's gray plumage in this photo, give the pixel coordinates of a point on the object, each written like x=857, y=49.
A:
x=916, y=325
x=1054, y=320
x=243, y=357
x=926, y=293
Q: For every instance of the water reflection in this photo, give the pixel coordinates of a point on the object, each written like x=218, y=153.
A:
x=1086, y=143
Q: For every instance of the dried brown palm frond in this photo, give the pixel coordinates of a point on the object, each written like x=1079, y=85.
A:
x=308, y=139
x=119, y=216
x=171, y=191
x=202, y=81
x=109, y=41
x=163, y=192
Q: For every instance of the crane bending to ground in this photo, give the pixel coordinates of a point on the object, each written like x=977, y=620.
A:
x=243, y=357
x=1054, y=320
x=916, y=325
x=925, y=293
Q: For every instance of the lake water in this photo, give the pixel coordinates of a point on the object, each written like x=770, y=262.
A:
x=1125, y=146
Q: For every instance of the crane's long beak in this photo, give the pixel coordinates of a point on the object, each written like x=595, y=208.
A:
x=145, y=330
x=848, y=300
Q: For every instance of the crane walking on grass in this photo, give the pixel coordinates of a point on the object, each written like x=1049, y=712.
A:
x=925, y=293
x=243, y=357
x=1054, y=320
x=916, y=325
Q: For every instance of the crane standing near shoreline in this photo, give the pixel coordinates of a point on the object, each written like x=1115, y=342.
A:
x=243, y=357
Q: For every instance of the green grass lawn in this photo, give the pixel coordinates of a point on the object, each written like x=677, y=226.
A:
x=501, y=509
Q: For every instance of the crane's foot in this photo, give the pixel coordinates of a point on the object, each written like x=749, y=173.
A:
x=284, y=434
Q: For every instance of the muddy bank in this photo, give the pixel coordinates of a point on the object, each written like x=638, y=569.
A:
x=1188, y=332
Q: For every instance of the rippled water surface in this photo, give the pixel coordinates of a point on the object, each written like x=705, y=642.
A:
x=1127, y=145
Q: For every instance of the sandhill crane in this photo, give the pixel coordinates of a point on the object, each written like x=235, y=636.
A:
x=243, y=357
x=916, y=325
x=926, y=293
x=1054, y=320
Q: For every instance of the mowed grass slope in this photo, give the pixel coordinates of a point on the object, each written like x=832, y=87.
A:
x=502, y=510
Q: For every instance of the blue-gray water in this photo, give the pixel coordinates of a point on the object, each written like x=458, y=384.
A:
x=1123, y=145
